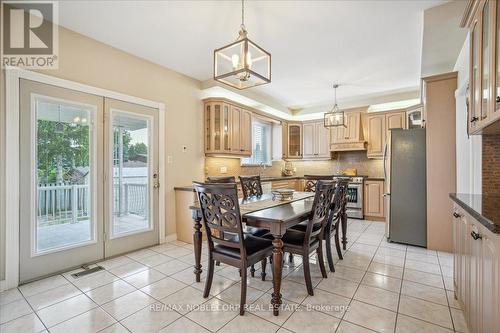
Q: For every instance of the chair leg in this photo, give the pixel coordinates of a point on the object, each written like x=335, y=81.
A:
x=217, y=263
x=307, y=273
x=209, y=278
x=263, y=272
x=319, y=252
x=337, y=243
x=290, y=258
x=329, y=256
x=243, y=297
x=252, y=271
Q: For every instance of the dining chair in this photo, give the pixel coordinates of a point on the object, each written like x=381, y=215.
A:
x=311, y=180
x=251, y=186
x=227, y=242
x=247, y=229
x=304, y=243
x=221, y=180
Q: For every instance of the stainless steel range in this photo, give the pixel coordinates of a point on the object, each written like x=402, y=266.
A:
x=354, y=197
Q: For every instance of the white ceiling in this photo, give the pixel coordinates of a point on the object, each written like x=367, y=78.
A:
x=369, y=47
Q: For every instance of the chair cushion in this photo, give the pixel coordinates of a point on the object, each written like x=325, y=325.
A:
x=252, y=245
x=257, y=232
x=295, y=238
x=302, y=226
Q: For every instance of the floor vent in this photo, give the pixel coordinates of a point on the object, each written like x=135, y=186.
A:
x=87, y=271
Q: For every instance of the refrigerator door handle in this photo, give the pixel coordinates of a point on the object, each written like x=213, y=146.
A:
x=384, y=159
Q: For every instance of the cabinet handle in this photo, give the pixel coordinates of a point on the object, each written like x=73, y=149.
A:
x=498, y=99
x=456, y=215
x=475, y=235
x=474, y=119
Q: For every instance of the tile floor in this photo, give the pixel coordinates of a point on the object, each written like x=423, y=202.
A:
x=378, y=287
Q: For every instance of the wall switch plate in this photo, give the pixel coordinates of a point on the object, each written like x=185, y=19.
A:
x=223, y=169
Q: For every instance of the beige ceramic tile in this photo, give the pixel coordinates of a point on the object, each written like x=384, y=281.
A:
x=128, y=269
x=304, y=321
x=427, y=311
x=150, y=319
x=14, y=310
x=88, y=322
x=144, y=278
x=115, y=328
x=110, y=291
x=10, y=295
x=407, y=324
x=65, y=310
x=384, y=269
x=329, y=303
x=172, y=267
x=213, y=314
x=126, y=305
x=184, y=325
x=372, y=317
x=249, y=323
x=140, y=254
x=163, y=288
x=347, y=327
x=428, y=293
x=42, y=285
x=433, y=280
x=423, y=267
x=26, y=323
x=347, y=273
x=382, y=281
x=154, y=260
x=184, y=300
x=378, y=297
x=52, y=296
x=339, y=286
x=94, y=280
x=459, y=320
x=264, y=309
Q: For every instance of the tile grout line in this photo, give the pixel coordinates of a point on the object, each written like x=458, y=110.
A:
x=400, y=290
x=446, y=294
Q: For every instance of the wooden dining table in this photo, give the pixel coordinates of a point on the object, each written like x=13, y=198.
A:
x=263, y=212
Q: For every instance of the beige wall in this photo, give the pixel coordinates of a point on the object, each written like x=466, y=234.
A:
x=87, y=61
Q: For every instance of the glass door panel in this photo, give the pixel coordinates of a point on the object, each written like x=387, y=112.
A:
x=60, y=179
x=131, y=187
x=131, y=171
x=485, y=64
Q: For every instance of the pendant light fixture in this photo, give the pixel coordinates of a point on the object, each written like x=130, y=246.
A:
x=335, y=117
x=242, y=64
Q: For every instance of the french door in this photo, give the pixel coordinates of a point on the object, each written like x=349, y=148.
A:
x=87, y=178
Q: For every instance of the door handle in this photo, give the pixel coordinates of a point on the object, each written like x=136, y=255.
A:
x=386, y=194
x=156, y=183
x=475, y=235
x=456, y=215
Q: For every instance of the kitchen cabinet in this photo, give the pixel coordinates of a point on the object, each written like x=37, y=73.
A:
x=374, y=199
x=292, y=141
x=378, y=126
x=476, y=257
x=349, y=137
x=316, y=140
x=482, y=18
x=228, y=129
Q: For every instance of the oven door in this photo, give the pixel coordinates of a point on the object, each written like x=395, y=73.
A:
x=355, y=196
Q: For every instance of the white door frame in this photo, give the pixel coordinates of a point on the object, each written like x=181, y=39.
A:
x=11, y=213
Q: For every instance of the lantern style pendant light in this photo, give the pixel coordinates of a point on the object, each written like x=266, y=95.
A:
x=242, y=64
x=335, y=117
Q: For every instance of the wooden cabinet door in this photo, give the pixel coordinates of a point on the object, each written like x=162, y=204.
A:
x=208, y=128
x=353, y=124
x=246, y=132
x=475, y=83
x=473, y=298
x=376, y=136
x=374, y=199
x=236, y=134
x=294, y=141
x=338, y=134
x=284, y=139
x=396, y=120
x=490, y=296
x=309, y=139
x=485, y=62
x=323, y=140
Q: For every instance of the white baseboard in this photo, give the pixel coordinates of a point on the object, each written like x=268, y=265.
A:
x=169, y=238
x=3, y=285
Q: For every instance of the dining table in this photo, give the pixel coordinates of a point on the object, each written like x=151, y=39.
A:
x=268, y=213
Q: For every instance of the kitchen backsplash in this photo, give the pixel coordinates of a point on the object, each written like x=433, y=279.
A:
x=344, y=160
x=491, y=164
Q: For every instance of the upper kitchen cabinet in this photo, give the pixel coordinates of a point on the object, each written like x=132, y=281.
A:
x=483, y=20
x=378, y=125
x=228, y=128
x=292, y=141
x=316, y=140
x=349, y=137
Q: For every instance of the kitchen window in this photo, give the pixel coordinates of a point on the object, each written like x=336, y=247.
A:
x=261, y=144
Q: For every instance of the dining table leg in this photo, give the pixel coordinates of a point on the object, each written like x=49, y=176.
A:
x=277, y=272
x=197, y=247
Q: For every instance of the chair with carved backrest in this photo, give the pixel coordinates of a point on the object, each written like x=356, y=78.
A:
x=247, y=229
x=311, y=180
x=226, y=239
x=304, y=243
x=251, y=186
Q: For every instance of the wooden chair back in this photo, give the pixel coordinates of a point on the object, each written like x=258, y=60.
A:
x=311, y=180
x=221, y=215
x=251, y=186
x=320, y=212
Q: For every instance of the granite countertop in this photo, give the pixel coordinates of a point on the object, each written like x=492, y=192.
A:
x=272, y=179
x=484, y=208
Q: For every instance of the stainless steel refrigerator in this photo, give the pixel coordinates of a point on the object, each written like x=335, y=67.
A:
x=405, y=175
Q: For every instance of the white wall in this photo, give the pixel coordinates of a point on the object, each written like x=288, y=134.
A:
x=468, y=148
